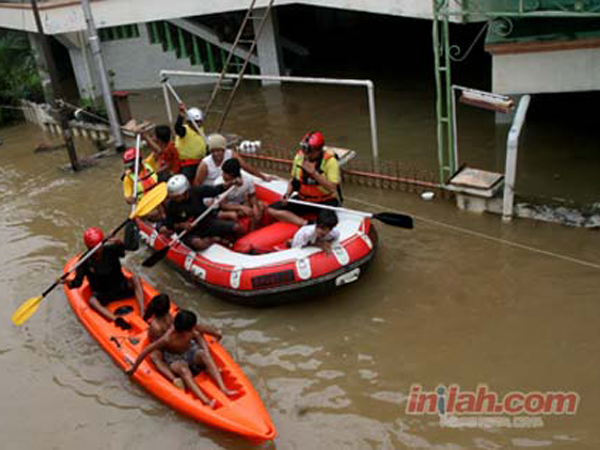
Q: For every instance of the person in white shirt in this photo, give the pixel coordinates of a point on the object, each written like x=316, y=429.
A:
x=210, y=169
x=322, y=234
x=242, y=199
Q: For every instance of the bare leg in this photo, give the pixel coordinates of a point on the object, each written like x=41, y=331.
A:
x=103, y=311
x=183, y=370
x=163, y=368
x=139, y=291
x=286, y=216
x=203, y=356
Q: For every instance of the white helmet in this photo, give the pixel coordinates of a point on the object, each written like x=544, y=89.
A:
x=177, y=185
x=195, y=114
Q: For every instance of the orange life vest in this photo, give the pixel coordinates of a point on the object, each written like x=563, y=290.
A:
x=309, y=188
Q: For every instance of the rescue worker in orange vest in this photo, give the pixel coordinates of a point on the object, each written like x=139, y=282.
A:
x=147, y=178
x=315, y=178
x=190, y=140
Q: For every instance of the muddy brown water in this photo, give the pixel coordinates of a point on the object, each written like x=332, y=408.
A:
x=461, y=299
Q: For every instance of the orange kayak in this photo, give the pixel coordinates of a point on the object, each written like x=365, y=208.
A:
x=242, y=413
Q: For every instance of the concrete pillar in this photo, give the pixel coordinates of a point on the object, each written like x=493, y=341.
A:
x=40, y=62
x=268, y=45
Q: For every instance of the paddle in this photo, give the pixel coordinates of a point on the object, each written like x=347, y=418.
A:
x=178, y=100
x=150, y=201
x=389, y=218
x=131, y=237
x=160, y=254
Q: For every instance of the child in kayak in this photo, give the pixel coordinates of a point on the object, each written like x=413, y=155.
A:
x=322, y=234
x=159, y=321
x=186, y=353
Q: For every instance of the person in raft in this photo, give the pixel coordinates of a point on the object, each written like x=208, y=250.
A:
x=105, y=275
x=185, y=203
x=210, y=169
x=315, y=177
x=164, y=154
x=242, y=199
x=146, y=180
x=321, y=234
x=186, y=352
x=189, y=140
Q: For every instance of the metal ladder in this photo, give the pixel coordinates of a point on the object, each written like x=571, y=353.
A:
x=219, y=86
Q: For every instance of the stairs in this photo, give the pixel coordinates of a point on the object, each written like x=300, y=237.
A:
x=197, y=43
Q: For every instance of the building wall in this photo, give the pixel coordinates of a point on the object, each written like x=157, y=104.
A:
x=135, y=62
x=545, y=72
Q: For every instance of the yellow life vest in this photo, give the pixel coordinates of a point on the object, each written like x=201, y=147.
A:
x=191, y=147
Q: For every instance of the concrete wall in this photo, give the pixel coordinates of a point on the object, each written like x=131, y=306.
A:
x=136, y=64
x=108, y=13
x=544, y=72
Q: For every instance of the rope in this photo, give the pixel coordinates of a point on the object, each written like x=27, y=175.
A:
x=488, y=237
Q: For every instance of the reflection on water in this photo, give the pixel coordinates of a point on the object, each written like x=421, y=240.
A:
x=438, y=306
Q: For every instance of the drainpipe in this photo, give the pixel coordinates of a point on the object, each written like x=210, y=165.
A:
x=97, y=53
x=512, y=146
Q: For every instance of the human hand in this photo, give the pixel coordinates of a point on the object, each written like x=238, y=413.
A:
x=182, y=109
x=308, y=167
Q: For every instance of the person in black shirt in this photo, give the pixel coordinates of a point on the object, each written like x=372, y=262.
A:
x=105, y=276
x=186, y=203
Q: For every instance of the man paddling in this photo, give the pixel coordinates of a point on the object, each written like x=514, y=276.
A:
x=315, y=177
x=186, y=203
x=104, y=273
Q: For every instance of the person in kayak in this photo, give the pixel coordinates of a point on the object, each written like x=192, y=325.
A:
x=322, y=234
x=315, y=177
x=186, y=203
x=190, y=140
x=159, y=321
x=186, y=352
x=105, y=275
x=210, y=169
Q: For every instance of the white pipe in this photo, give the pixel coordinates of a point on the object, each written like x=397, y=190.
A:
x=512, y=146
x=331, y=81
x=167, y=102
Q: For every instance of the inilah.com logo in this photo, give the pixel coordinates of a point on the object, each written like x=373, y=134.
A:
x=484, y=408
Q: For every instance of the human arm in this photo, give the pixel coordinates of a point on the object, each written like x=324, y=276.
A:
x=208, y=329
x=252, y=170
x=329, y=179
x=145, y=352
x=178, y=127
x=201, y=174
x=80, y=274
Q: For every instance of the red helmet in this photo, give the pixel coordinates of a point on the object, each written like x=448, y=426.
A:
x=92, y=237
x=129, y=155
x=312, y=140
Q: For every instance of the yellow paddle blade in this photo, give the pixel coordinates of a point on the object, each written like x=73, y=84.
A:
x=26, y=310
x=150, y=200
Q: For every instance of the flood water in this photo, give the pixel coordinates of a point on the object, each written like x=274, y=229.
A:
x=461, y=299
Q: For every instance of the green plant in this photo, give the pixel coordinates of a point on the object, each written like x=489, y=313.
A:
x=19, y=78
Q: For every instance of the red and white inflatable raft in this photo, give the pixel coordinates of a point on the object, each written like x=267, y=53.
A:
x=282, y=275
